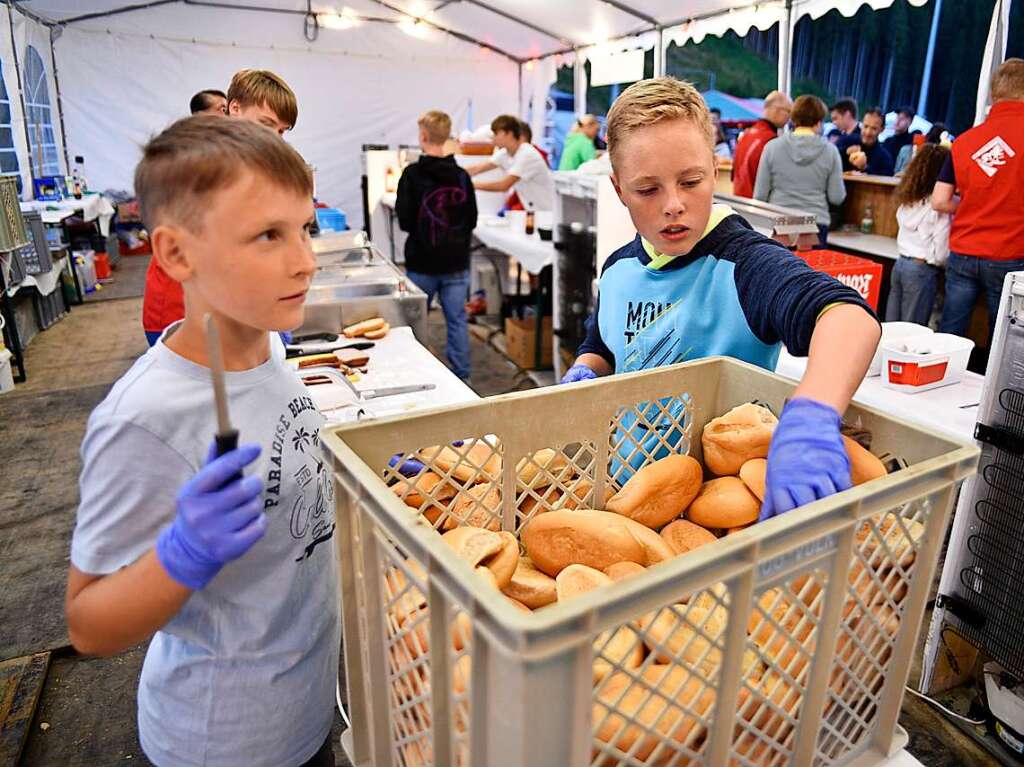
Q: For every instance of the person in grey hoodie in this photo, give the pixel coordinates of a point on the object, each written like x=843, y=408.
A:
x=803, y=170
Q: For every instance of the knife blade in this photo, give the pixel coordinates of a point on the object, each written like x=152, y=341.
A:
x=226, y=438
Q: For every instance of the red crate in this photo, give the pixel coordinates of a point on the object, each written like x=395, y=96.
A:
x=861, y=274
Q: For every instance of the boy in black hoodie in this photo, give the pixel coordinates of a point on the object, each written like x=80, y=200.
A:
x=437, y=206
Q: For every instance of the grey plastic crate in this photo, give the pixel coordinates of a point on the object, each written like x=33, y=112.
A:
x=839, y=587
x=50, y=308
x=36, y=255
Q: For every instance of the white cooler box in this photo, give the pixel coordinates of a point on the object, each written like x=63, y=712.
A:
x=894, y=331
x=924, y=362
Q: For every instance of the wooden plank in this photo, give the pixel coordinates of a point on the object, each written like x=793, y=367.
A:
x=21, y=683
x=862, y=191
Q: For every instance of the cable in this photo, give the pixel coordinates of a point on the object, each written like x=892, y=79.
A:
x=341, y=708
x=949, y=712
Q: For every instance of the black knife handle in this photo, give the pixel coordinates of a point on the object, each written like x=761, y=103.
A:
x=226, y=442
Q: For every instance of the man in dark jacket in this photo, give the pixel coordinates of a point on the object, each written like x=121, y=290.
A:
x=864, y=153
x=436, y=205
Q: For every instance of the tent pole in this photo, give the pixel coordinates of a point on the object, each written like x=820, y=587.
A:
x=659, y=53
x=520, y=107
x=926, y=78
x=24, y=109
x=786, y=49
x=60, y=103
x=579, y=79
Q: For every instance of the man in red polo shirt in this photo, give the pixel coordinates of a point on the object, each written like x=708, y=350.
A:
x=777, y=108
x=986, y=167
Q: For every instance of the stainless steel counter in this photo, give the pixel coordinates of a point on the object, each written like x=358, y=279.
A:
x=355, y=282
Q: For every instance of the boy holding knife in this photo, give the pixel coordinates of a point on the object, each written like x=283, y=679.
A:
x=698, y=281
x=231, y=577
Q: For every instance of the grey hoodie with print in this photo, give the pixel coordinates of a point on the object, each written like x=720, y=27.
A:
x=801, y=171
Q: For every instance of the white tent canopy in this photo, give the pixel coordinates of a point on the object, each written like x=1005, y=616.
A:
x=362, y=72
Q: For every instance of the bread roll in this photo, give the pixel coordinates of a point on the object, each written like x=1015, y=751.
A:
x=588, y=537
x=579, y=579
x=429, y=495
x=733, y=530
x=683, y=536
x=379, y=333
x=673, y=638
x=516, y=603
x=864, y=466
x=536, y=470
x=479, y=506
x=723, y=503
x=620, y=648
x=626, y=712
x=318, y=360
x=769, y=705
x=753, y=474
x=530, y=586
x=498, y=553
x=731, y=440
x=352, y=358
x=463, y=461
x=361, y=328
x=622, y=570
x=418, y=626
x=900, y=535
x=659, y=492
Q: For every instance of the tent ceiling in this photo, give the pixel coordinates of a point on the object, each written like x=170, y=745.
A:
x=524, y=29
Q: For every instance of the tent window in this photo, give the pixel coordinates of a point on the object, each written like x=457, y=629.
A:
x=42, y=144
x=8, y=155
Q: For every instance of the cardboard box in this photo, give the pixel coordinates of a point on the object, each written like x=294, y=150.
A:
x=521, y=340
x=861, y=274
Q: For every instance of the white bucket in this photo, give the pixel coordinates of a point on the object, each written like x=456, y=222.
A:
x=925, y=362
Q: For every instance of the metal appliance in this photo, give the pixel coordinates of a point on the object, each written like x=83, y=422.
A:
x=354, y=282
x=981, y=593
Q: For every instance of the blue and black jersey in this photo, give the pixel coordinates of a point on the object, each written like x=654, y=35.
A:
x=737, y=294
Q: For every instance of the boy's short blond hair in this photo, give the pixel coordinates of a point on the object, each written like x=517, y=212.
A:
x=437, y=125
x=196, y=157
x=1008, y=81
x=649, y=102
x=256, y=87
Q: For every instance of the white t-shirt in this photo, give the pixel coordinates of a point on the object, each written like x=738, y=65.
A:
x=535, y=185
x=245, y=673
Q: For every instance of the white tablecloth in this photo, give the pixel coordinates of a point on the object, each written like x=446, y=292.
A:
x=91, y=206
x=396, y=360
x=45, y=283
x=952, y=410
x=529, y=250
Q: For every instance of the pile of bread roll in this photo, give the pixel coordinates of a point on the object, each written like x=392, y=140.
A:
x=666, y=509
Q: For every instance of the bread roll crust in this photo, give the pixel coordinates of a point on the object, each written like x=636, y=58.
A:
x=732, y=439
x=589, y=537
x=753, y=474
x=864, y=466
x=660, y=491
x=683, y=536
x=530, y=586
x=722, y=503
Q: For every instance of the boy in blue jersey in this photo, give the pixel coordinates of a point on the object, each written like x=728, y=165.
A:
x=698, y=281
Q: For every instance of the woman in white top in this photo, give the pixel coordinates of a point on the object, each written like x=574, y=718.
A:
x=923, y=239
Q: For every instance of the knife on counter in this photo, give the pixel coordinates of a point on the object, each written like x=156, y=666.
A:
x=226, y=438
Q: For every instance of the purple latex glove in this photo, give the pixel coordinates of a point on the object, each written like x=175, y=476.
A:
x=806, y=460
x=578, y=373
x=219, y=518
x=407, y=468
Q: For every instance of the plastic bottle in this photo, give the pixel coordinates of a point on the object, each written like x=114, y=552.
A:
x=77, y=182
x=390, y=183
x=867, y=224
x=530, y=216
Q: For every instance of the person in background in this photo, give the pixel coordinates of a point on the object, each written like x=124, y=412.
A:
x=902, y=136
x=436, y=205
x=579, y=144
x=231, y=579
x=844, y=120
x=986, y=239
x=528, y=138
x=863, y=152
x=802, y=169
x=211, y=101
x=723, y=147
x=523, y=165
x=720, y=288
x=777, y=108
x=261, y=96
x=933, y=136
x=255, y=95
x=923, y=239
